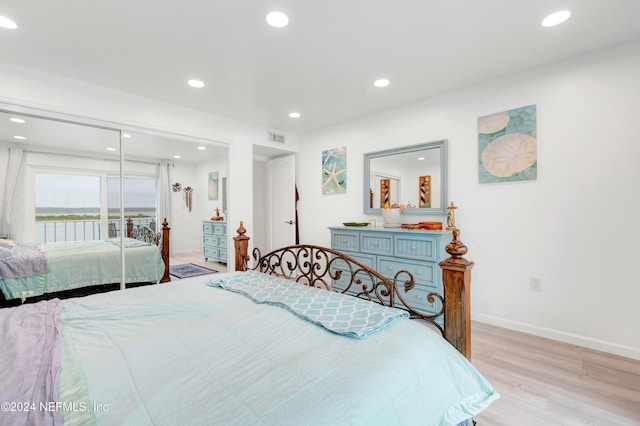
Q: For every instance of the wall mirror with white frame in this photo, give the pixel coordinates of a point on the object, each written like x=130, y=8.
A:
x=414, y=176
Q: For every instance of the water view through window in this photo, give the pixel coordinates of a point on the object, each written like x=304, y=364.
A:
x=69, y=207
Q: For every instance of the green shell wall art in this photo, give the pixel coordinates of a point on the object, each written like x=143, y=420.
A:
x=508, y=146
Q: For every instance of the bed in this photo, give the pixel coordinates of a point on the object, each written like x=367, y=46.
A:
x=30, y=270
x=244, y=347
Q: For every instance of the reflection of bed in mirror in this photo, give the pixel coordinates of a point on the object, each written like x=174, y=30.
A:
x=35, y=271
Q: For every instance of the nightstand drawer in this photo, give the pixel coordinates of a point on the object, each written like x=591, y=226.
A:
x=211, y=240
x=421, y=248
x=345, y=240
x=376, y=243
x=422, y=272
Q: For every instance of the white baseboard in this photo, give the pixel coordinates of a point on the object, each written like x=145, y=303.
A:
x=561, y=336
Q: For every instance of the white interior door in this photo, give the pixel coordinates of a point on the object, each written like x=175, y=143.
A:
x=282, y=203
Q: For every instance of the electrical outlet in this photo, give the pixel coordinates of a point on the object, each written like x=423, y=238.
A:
x=535, y=284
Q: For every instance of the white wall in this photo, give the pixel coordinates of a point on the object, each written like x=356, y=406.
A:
x=572, y=227
x=260, y=204
x=33, y=89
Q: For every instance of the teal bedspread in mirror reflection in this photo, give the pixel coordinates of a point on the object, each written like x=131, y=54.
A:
x=85, y=263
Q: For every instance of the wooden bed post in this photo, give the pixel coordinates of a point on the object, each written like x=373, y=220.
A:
x=456, y=278
x=241, y=243
x=129, y=227
x=165, y=250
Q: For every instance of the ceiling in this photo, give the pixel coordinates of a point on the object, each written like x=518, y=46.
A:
x=321, y=65
x=52, y=136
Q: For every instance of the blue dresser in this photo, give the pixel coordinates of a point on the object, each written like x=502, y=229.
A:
x=214, y=240
x=391, y=250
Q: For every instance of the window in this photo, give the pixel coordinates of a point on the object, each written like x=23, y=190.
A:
x=67, y=207
x=139, y=201
x=71, y=207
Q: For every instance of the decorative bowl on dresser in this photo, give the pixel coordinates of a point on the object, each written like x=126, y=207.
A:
x=214, y=240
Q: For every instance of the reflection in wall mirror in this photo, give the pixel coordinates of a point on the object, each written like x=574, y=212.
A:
x=424, y=192
x=385, y=192
x=415, y=176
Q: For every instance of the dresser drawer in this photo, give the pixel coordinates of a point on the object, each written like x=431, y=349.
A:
x=376, y=243
x=346, y=273
x=345, y=240
x=211, y=252
x=417, y=299
x=210, y=240
x=390, y=250
x=423, y=272
x=220, y=228
x=207, y=228
x=222, y=254
x=341, y=284
x=360, y=257
x=416, y=247
x=222, y=242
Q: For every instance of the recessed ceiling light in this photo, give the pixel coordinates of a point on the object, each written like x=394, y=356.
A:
x=202, y=148
x=381, y=82
x=126, y=135
x=17, y=120
x=294, y=114
x=277, y=19
x=556, y=18
x=7, y=23
x=420, y=158
x=111, y=149
x=20, y=137
x=195, y=83
x=177, y=156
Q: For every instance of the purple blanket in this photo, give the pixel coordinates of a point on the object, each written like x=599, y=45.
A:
x=30, y=342
x=26, y=260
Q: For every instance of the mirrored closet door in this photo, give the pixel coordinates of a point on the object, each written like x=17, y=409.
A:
x=66, y=181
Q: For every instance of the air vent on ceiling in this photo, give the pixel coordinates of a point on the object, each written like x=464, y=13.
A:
x=276, y=138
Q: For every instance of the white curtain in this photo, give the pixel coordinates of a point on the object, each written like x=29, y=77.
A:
x=164, y=194
x=10, y=220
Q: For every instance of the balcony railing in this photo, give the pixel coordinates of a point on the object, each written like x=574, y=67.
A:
x=81, y=230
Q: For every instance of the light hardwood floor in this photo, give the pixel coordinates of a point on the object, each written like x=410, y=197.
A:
x=544, y=382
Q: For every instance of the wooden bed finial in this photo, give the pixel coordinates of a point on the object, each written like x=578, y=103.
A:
x=241, y=248
x=456, y=279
